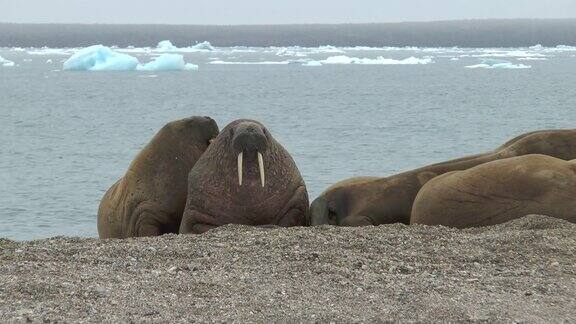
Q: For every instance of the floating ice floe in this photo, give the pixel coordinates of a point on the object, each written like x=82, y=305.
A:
x=341, y=59
x=532, y=59
x=291, y=51
x=102, y=58
x=251, y=63
x=6, y=63
x=505, y=53
x=167, y=46
x=312, y=63
x=328, y=49
x=51, y=51
x=497, y=64
x=167, y=62
x=203, y=46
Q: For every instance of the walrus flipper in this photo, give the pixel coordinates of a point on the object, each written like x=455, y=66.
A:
x=297, y=213
x=148, y=223
x=194, y=222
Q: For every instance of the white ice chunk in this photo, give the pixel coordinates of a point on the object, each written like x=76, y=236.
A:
x=203, y=46
x=328, y=49
x=532, y=59
x=506, y=53
x=251, y=63
x=166, y=46
x=341, y=59
x=51, y=51
x=6, y=63
x=191, y=67
x=100, y=58
x=167, y=62
x=497, y=64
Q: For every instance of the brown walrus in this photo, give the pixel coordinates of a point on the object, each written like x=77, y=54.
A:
x=374, y=201
x=499, y=191
x=245, y=177
x=149, y=199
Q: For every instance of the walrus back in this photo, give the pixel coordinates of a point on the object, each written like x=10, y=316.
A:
x=112, y=210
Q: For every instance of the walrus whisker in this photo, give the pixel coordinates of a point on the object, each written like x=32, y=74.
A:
x=240, y=168
x=261, y=167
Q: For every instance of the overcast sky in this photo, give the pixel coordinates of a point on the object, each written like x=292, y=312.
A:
x=233, y=12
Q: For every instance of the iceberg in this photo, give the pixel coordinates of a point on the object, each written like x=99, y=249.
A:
x=100, y=58
x=497, y=64
x=6, y=63
x=204, y=46
x=167, y=62
x=166, y=46
x=341, y=59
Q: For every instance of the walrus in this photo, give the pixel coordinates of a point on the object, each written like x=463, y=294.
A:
x=374, y=201
x=150, y=198
x=245, y=177
x=499, y=191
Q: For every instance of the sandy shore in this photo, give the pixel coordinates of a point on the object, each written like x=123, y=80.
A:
x=523, y=271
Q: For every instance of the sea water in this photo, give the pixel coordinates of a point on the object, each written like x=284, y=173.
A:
x=67, y=136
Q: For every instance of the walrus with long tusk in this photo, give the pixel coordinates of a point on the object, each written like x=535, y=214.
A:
x=374, y=201
x=245, y=177
x=499, y=191
x=149, y=199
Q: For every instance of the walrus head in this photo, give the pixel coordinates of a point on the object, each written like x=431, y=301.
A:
x=244, y=177
x=200, y=129
x=249, y=142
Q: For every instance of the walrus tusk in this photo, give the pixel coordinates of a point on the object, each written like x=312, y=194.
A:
x=261, y=167
x=240, y=168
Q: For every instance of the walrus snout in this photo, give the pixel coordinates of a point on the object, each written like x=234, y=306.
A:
x=250, y=138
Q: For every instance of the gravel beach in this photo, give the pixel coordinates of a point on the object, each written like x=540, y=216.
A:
x=524, y=270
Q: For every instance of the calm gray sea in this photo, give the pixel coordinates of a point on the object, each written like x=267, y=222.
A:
x=67, y=136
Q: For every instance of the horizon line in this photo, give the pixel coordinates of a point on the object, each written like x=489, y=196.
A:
x=293, y=24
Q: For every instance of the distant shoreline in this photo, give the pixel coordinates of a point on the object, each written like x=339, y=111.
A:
x=461, y=33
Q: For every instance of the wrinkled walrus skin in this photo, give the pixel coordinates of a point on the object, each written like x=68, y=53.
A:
x=245, y=177
x=149, y=200
x=499, y=191
x=375, y=201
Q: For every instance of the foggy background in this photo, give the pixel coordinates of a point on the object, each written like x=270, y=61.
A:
x=232, y=12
